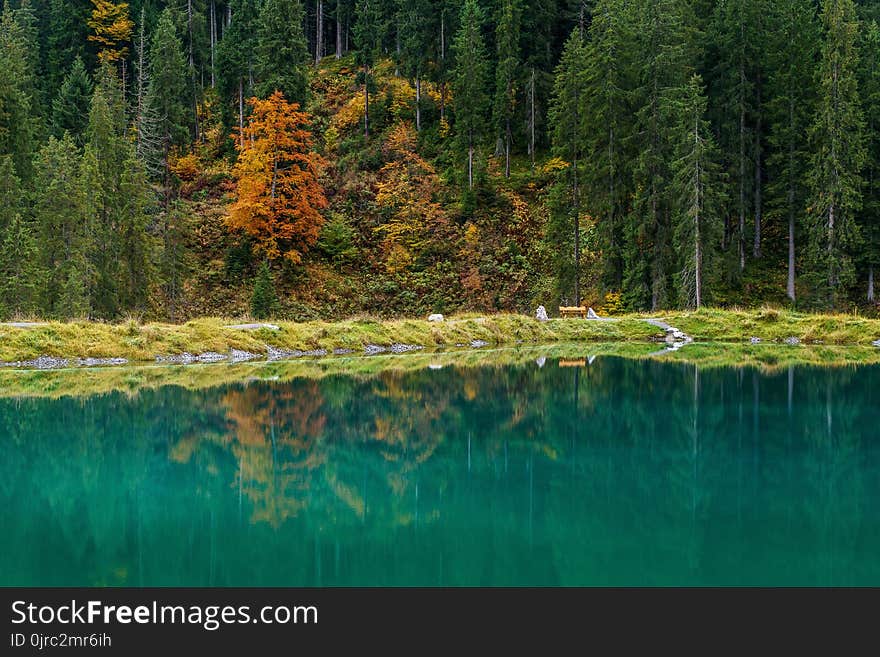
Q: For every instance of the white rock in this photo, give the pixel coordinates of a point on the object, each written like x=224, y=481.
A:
x=541, y=314
x=591, y=314
x=436, y=317
x=678, y=335
x=876, y=343
x=541, y=361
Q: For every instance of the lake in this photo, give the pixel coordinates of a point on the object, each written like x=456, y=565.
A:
x=611, y=472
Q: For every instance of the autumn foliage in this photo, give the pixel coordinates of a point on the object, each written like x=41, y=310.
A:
x=279, y=195
x=111, y=29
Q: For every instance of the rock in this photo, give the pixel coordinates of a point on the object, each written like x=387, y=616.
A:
x=179, y=359
x=541, y=314
x=541, y=361
x=237, y=356
x=253, y=327
x=343, y=352
x=212, y=357
x=755, y=340
x=96, y=362
x=373, y=349
x=24, y=325
x=436, y=317
x=591, y=314
x=403, y=348
x=477, y=344
x=679, y=335
x=435, y=366
x=41, y=363
x=274, y=353
x=876, y=343
x=315, y=352
x=792, y=340
x=591, y=360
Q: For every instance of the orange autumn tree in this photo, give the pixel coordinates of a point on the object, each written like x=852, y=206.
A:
x=279, y=197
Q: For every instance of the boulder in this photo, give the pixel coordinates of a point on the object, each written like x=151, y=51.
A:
x=436, y=317
x=541, y=361
x=541, y=314
x=876, y=343
x=792, y=340
x=755, y=340
x=591, y=314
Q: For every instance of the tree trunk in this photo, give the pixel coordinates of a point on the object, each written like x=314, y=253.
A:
x=418, y=103
x=742, y=179
x=241, y=110
x=338, y=32
x=532, y=117
x=790, y=287
x=319, y=30
x=507, y=148
x=366, y=102
x=213, y=34
x=470, y=163
x=756, y=250
x=871, y=284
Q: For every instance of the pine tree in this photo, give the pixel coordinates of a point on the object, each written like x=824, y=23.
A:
x=609, y=78
x=168, y=84
x=695, y=186
x=567, y=119
x=147, y=132
x=263, y=299
x=19, y=275
x=236, y=59
x=70, y=108
x=664, y=52
x=18, y=126
x=837, y=137
x=795, y=35
x=870, y=215
x=367, y=39
x=61, y=219
x=507, y=74
x=470, y=80
x=414, y=25
x=11, y=195
x=282, y=51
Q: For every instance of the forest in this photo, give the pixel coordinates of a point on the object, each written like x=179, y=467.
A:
x=330, y=158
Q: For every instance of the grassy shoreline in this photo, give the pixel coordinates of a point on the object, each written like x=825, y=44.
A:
x=141, y=343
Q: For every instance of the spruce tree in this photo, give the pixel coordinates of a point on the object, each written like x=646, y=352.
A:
x=609, y=73
x=791, y=107
x=70, y=108
x=414, y=25
x=168, y=85
x=835, y=174
x=18, y=124
x=507, y=75
x=870, y=214
x=566, y=117
x=367, y=34
x=19, y=275
x=263, y=299
x=696, y=188
x=470, y=80
x=281, y=50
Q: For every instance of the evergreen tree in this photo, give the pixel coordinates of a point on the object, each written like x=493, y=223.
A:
x=61, y=223
x=236, y=59
x=70, y=108
x=168, y=84
x=870, y=215
x=609, y=78
x=664, y=50
x=566, y=117
x=263, y=299
x=19, y=275
x=415, y=29
x=695, y=186
x=282, y=51
x=148, y=142
x=18, y=127
x=469, y=87
x=368, y=40
x=795, y=36
x=507, y=75
x=837, y=136
x=10, y=191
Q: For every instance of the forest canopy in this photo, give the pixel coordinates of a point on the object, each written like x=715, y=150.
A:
x=163, y=159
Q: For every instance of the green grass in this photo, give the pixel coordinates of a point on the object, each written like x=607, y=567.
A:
x=143, y=342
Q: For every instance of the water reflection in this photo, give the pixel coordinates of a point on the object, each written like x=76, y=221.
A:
x=606, y=472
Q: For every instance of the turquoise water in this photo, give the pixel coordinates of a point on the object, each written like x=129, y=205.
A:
x=620, y=472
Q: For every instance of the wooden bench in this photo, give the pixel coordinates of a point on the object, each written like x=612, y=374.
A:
x=573, y=311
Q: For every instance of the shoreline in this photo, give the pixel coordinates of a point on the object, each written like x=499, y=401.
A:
x=82, y=345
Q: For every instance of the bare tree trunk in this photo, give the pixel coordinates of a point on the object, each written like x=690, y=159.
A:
x=366, y=102
x=507, y=138
x=471, y=163
x=790, y=286
x=213, y=33
x=338, y=32
x=741, y=237
x=756, y=250
x=871, y=296
x=418, y=103
x=241, y=110
x=532, y=117
x=319, y=30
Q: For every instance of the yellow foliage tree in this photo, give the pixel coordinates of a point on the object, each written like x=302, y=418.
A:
x=112, y=28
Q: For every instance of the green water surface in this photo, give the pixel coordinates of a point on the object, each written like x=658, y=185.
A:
x=617, y=472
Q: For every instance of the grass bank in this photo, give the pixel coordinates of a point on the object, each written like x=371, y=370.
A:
x=139, y=343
